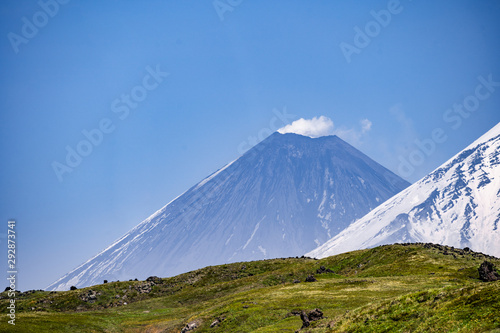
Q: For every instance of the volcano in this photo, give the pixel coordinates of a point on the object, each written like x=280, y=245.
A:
x=284, y=197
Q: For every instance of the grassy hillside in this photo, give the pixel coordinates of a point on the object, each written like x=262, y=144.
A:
x=396, y=288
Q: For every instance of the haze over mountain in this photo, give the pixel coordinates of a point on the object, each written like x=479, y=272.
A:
x=458, y=205
x=282, y=198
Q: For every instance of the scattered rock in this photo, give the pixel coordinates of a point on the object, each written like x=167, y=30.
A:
x=323, y=269
x=154, y=279
x=305, y=320
x=313, y=315
x=296, y=281
x=487, y=272
x=190, y=327
x=144, y=287
x=90, y=296
x=216, y=322
x=73, y=288
x=311, y=278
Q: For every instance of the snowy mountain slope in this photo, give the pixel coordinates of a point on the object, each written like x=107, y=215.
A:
x=282, y=198
x=458, y=204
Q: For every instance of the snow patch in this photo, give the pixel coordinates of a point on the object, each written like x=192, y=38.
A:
x=253, y=233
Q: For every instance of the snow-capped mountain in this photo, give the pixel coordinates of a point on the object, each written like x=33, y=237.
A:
x=282, y=198
x=458, y=205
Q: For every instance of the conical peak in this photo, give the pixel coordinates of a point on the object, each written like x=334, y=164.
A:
x=301, y=141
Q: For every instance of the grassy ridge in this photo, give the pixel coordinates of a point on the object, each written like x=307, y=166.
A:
x=396, y=288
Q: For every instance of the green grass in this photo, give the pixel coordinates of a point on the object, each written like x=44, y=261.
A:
x=396, y=288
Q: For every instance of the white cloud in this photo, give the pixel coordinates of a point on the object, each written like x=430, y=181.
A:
x=366, y=125
x=323, y=126
x=313, y=128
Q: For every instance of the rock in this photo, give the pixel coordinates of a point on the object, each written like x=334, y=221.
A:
x=190, y=327
x=154, y=279
x=311, y=278
x=296, y=281
x=90, y=296
x=73, y=288
x=144, y=287
x=305, y=319
x=323, y=269
x=313, y=315
x=216, y=322
x=487, y=272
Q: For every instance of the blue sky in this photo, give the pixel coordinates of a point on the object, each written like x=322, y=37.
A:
x=232, y=68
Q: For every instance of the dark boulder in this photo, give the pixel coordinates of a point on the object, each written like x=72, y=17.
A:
x=323, y=269
x=487, y=272
x=305, y=319
x=311, y=278
x=313, y=315
x=154, y=279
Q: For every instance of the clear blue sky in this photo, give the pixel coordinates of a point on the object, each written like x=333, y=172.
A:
x=225, y=79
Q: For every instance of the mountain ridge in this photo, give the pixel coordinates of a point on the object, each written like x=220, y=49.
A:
x=457, y=204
